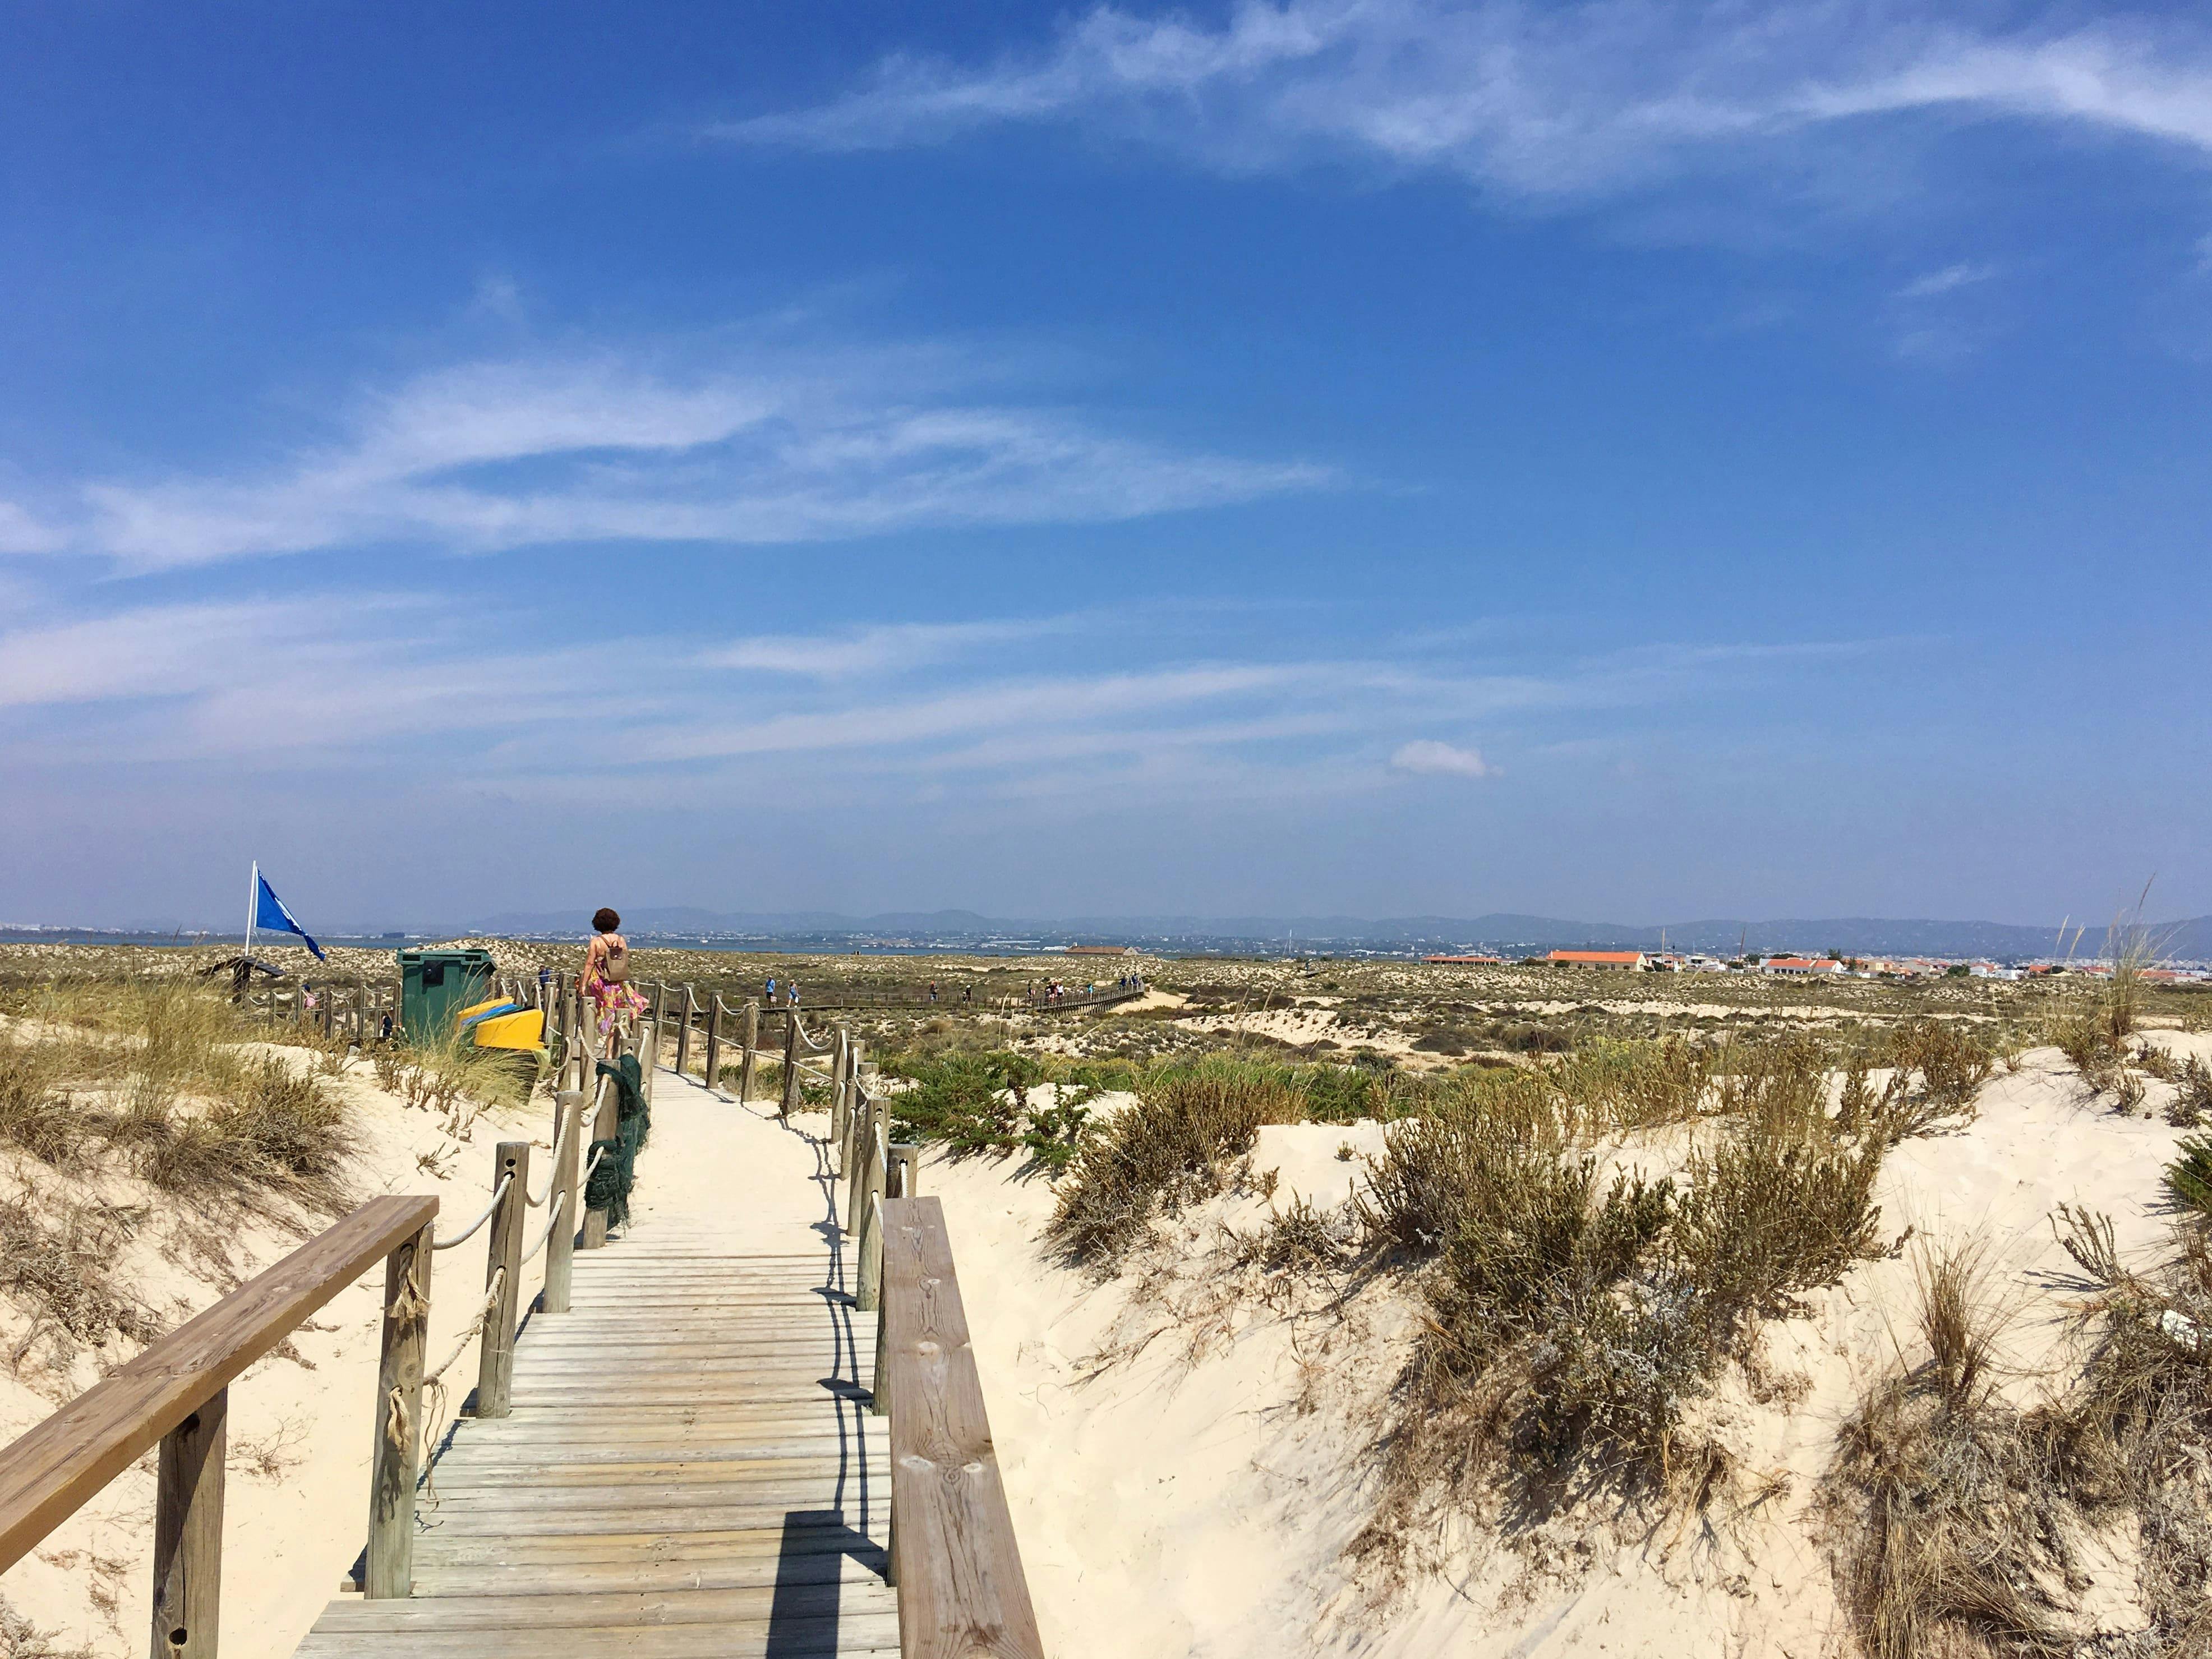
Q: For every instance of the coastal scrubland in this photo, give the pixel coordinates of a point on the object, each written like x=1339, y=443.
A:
x=1332, y=1306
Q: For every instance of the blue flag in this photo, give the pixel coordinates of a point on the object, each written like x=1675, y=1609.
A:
x=269, y=912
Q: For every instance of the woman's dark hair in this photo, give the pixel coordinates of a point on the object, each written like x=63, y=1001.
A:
x=605, y=920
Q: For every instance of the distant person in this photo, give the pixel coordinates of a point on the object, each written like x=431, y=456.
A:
x=791, y=993
x=932, y=990
x=606, y=972
x=771, y=989
x=967, y=994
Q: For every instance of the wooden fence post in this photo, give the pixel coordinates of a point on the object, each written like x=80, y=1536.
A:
x=399, y=1419
x=857, y=1108
x=188, y=1534
x=714, y=1039
x=495, y=1353
x=648, y=1057
x=568, y=1160
x=904, y=1176
x=868, y=1281
x=752, y=1042
x=840, y=1063
x=604, y=1120
x=684, y=1035
x=790, y=1063
x=857, y=1149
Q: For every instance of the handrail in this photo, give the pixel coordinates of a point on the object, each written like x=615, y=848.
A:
x=52, y=1470
x=960, y=1588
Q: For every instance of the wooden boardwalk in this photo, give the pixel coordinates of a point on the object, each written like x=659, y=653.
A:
x=689, y=1463
x=692, y=1465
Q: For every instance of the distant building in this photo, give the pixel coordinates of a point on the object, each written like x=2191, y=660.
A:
x=1802, y=967
x=1626, y=960
x=1480, y=962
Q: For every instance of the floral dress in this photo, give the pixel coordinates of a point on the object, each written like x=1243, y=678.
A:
x=611, y=999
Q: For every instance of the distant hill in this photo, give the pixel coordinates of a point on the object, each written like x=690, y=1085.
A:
x=2188, y=940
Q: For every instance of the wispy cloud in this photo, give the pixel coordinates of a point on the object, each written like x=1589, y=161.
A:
x=787, y=448
x=1427, y=755
x=1948, y=280
x=301, y=683
x=20, y=533
x=880, y=649
x=1536, y=101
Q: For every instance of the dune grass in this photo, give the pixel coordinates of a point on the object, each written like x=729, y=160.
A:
x=1571, y=1315
x=1962, y=1519
x=1181, y=1142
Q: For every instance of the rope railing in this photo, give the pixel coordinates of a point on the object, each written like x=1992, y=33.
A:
x=552, y=1219
x=470, y=1231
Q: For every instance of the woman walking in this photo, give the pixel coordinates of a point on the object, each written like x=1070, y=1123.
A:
x=606, y=973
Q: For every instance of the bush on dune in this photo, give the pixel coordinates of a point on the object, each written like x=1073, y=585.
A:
x=1571, y=1318
x=1177, y=1144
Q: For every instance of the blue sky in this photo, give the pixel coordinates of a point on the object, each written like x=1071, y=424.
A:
x=1629, y=460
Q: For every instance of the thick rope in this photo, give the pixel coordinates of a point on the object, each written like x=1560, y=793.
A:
x=435, y=1417
x=568, y=1122
x=552, y=1219
x=497, y=1193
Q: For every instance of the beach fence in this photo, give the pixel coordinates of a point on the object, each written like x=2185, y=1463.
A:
x=953, y=1558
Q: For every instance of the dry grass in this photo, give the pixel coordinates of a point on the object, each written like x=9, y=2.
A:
x=22, y=1639
x=1570, y=1318
x=57, y=1266
x=152, y=1082
x=1181, y=1142
x=1965, y=1524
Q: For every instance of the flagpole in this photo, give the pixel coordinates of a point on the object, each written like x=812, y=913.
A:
x=252, y=905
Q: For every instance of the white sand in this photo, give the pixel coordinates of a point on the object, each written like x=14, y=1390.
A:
x=1170, y=1505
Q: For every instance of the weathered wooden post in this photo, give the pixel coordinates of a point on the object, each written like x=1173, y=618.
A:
x=903, y=1178
x=648, y=1057
x=188, y=1534
x=605, y=1118
x=567, y=1162
x=393, y=1464
x=854, y=1108
x=714, y=1039
x=684, y=1035
x=752, y=1042
x=840, y=1061
x=867, y=1291
x=790, y=1063
x=858, y=1154
x=503, y=1263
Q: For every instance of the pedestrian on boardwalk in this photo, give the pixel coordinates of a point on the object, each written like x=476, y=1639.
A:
x=606, y=973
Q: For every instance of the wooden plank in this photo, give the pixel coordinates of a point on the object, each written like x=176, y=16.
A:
x=611, y=1609
x=49, y=1472
x=526, y=1522
x=717, y=1572
x=608, y=1497
x=744, y=1479
x=788, y=1535
x=820, y=1638
x=961, y=1589
x=792, y=1446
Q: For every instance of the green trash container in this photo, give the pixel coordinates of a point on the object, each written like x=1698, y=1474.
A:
x=434, y=985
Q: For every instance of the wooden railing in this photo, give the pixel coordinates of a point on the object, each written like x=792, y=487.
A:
x=175, y=1394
